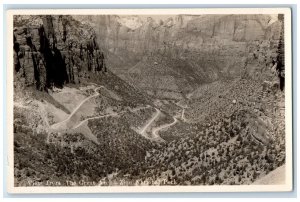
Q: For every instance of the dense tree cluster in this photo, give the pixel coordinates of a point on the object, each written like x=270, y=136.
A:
x=137, y=119
x=222, y=153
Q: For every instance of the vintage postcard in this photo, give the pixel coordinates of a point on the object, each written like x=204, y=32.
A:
x=149, y=100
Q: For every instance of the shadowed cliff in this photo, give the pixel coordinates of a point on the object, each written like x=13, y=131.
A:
x=54, y=50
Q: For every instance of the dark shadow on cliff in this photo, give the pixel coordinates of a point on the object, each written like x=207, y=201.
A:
x=56, y=72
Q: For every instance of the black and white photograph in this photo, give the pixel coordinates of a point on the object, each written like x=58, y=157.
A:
x=150, y=100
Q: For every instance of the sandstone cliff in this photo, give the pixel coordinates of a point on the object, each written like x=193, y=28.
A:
x=144, y=50
x=141, y=35
x=54, y=50
x=184, y=50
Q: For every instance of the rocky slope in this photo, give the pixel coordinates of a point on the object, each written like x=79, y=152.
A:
x=54, y=50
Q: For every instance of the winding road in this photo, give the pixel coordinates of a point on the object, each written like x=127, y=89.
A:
x=156, y=130
x=182, y=112
x=144, y=129
x=73, y=124
x=68, y=123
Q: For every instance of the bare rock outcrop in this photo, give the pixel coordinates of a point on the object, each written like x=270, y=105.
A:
x=215, y=46
x=54, y=50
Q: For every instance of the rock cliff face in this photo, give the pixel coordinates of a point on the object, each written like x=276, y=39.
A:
x=218, y=45
x=146, y=50
x=206, y=47
x=54, y=50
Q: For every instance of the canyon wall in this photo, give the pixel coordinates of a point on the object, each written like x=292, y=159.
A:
x=145, y=50
x=54, y=50
x=216, y=45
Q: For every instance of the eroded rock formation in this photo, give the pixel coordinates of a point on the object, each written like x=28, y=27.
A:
x=213, y=45
x=54, y=50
